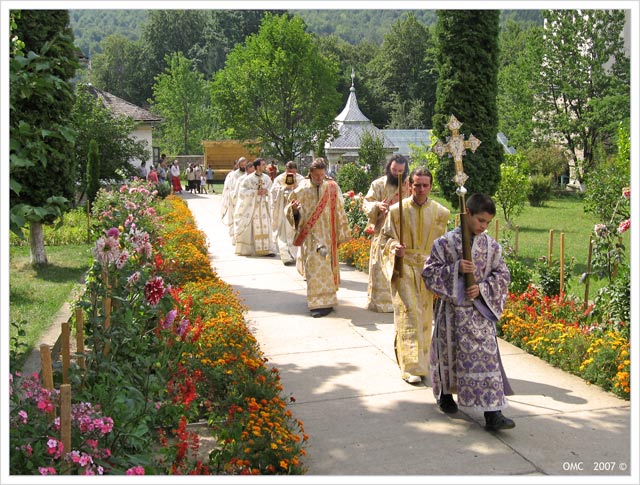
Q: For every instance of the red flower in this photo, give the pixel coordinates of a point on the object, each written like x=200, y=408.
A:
x=351, y=194
x=153, y=290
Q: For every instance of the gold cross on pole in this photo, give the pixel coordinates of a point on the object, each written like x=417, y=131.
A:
x=456, y=146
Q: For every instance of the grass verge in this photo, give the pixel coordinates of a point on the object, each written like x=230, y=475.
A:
x=36, y=294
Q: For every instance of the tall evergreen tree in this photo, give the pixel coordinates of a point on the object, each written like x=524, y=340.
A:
x=467, y=60
x=42, y=175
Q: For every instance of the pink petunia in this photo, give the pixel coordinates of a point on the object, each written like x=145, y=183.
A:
x=136, y=470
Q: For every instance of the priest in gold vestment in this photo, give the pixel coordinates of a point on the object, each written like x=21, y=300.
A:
x=252, y=216
x=382, y=193
x=283, y=231
x=316, y=210
x=423, y=221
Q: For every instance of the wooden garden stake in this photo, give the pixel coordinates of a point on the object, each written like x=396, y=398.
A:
x=107, y=322
x=517, y=241
x=66, y=357
x=47, y=371
x=65, y=416
x=80, y=338
x=588, y=280
x=550, y=253
x=561, y=264
x=497, y=229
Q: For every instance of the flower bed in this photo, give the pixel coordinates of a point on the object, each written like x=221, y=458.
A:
x=168, y=346
x=557, y=330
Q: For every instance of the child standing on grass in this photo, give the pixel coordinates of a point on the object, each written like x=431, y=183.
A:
x=464, y=355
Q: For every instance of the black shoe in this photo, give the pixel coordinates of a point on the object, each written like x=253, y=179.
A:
x=289, y=263
x=496, y=421
x=447, y=404
x=321, y=312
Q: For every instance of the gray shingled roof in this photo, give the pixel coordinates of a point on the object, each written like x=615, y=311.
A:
x=121, y=107
x=351, y=124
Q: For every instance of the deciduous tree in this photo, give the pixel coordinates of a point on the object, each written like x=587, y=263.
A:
x=181, y=97
x=278, y=89
x=43, y=60
x=583, y=90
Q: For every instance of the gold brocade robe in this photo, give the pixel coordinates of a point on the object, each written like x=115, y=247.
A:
x=228, y=190
x=379, y=291
x=318, y=255
x=412, y=302
x=283, y=231
x=252, y=217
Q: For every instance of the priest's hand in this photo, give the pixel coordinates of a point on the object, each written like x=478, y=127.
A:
x=399, y=250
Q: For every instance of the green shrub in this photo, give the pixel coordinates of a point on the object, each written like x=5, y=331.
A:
x=353, y=177
x=72, y=231
x=549, y=275
x=521, y=275
x=540, y=190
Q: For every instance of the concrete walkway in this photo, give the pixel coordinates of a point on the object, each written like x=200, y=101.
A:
x=362, y=419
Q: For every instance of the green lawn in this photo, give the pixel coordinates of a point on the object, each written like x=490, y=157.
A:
x=563, y=214
x=37, y=294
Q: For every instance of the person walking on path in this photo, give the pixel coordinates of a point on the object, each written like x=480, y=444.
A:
x=423, y=220
x=228, y=193
x=283, y=185
x=465, y=359
x=176, y=184
x=382, y=193
x=209, y=178
x=252, y=216
x=316, y=210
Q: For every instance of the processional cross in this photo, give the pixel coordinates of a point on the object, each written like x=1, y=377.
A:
x=456, y=147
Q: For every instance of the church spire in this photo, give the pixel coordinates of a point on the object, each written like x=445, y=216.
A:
x=351, y=111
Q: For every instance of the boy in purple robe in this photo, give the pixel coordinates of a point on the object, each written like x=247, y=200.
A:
x=464, y=355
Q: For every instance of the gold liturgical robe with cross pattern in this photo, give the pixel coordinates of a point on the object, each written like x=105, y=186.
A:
x=412, y=302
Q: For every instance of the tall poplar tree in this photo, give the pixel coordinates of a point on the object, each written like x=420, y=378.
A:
x=467, y=62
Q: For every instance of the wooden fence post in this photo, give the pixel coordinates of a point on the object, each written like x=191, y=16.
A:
x=65, y=416
x=588, y=280
x=47, y=371
x=80, y=338
x=517, y=241
x=561, y=264
x=550, y=251
x=66, y=357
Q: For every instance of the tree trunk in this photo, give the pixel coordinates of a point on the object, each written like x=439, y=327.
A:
x=36, y=243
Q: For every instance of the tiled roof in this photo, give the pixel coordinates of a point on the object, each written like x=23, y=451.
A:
x=121, y=107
